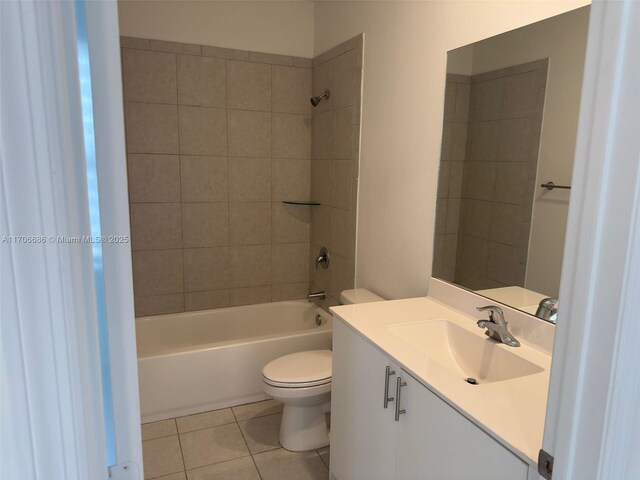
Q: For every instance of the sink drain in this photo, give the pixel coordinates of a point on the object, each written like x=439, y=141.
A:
x=471, y=381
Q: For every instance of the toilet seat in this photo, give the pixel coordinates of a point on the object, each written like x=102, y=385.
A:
x=299, y=370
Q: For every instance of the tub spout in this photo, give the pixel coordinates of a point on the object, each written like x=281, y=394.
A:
x=321, y=295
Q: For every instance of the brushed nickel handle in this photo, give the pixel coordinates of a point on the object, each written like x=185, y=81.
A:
x=399, y=385
x=387, y=374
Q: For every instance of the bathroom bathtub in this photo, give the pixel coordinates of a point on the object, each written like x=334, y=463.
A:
x=197, y=361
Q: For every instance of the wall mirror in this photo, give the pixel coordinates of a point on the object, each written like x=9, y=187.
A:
x=510, y=120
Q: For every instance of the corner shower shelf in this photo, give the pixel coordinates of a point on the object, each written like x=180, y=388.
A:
x=301, y=202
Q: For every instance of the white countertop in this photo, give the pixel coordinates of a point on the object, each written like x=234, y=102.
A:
x=512, y=411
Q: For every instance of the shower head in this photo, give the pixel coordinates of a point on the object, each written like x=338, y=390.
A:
x=315, y=101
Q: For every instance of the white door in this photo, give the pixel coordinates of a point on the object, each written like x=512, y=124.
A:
x=363, y=432
x=592, y=425
x=435, y=442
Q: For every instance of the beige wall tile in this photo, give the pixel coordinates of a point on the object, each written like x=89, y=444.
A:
x=321, y=135
x=155, y=226
x=446, y=146
x=321, y=181
x=206, y=268
x=485, y=141
x=291, y=291
x=459, y=143
x=291, y=90
x=154, y=178
x=149, y=76
x=343, y=233
x=321, y=225
x=302, y=62
x=520, y=95
x=205, y=224
x=289, y=263
x=250, y=223
x=342, y=133
x=341, y=184
x=477, y=180
x=290, y=223
x=270, y=58
x=487, y=98
x=227, y=53
x=453, y=215
x=202, y=81
x=206, y=300
x=321, y=80
x=203, y=131
x=249, y=86
x=476, y=218
x=204, y=179
x=511, y=183
x=291, y=179
x=344, y=78
x=156, y=272
x=504, y=265
x=158, y=305
x=249, y=134
x=508, y=224
x=134, y=42
x=449, y=102
x=443, y=179
x=516, y=140
x=291, y=136
x=151, y=128
x=250, y=295
x=174, y=47
x=463, y=93
x=455, y=179
x=249, y=179
x=472, y=255
x=250, y=265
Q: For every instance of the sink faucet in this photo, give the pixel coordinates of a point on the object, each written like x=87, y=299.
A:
x=548, y=309
x=497, y=326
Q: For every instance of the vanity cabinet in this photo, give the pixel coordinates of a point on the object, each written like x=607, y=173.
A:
x=429, y=441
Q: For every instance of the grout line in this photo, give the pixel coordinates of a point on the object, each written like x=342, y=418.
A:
x=247, y=444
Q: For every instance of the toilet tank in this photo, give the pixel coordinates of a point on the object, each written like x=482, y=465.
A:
x=358, y=295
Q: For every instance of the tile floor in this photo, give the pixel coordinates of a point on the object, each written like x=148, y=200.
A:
x=238, y=443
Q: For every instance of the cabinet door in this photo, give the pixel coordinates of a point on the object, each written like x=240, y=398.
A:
x=435, y=442
x=363, y=432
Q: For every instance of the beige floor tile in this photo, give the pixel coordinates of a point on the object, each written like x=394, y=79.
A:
x=212, y=445
x=284, y=465
x=261, y=434
x=258, y=409
x=201, y=421
x=162, y=456
x=163, y=428
x=325, y=455
x=239, y=469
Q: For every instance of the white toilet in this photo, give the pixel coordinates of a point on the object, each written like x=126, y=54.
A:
x=302, y=382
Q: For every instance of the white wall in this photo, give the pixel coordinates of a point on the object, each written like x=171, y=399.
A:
x=563, y=40
x=406, y=46
x=273, y=27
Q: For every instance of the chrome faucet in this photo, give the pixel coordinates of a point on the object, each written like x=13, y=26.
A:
x=548, y=309
x=497, y=326
x=323, y=258
x=313, y=296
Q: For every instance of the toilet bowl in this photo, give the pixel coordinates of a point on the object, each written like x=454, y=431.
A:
x=302, y=382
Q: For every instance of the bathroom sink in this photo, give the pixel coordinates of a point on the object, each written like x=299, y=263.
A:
x=462, y=353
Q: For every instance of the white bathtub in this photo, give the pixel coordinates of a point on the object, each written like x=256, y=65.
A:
x=197, y=361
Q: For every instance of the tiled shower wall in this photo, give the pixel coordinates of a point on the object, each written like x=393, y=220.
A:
x=452, y=156
x=216, y=139
x=499, y=176
x=334, y=166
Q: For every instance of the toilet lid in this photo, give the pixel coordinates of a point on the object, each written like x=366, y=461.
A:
x=300, y=369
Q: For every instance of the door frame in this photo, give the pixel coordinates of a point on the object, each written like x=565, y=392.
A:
x=592, y=423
